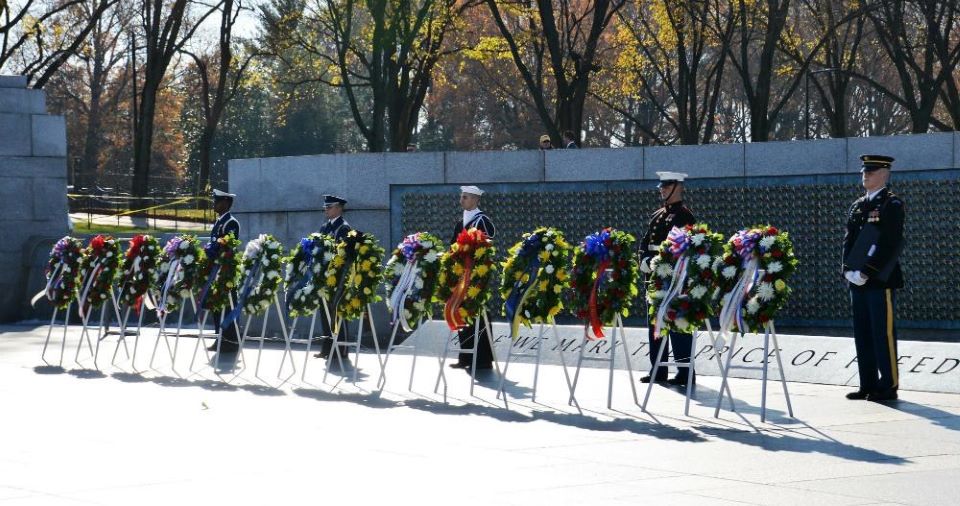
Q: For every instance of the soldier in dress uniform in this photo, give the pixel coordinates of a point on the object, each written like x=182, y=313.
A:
x=335, y=227
x=473, y=217
x=672, y=214
x=871, y=267
x=225, y=224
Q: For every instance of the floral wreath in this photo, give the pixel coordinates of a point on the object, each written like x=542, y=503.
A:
x=604, y=278
x=354, y=274
x=411, y=278
x=682, y=284
x=306, y=265
x=466, y=270
x=62, y=271
x=98, y=268
x=754, y=269
x=179, y=272
x=220, y=271
x=139, y=269
x=537, y=272
x=262, y=264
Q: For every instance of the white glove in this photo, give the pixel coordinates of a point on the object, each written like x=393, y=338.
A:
x=855, y=277
x=645, y=266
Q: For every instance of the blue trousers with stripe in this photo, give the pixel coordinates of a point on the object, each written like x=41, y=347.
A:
x=875, y=337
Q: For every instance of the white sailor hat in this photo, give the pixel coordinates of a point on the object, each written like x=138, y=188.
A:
x=220, y=194
x=472, y=190
x=667, y=178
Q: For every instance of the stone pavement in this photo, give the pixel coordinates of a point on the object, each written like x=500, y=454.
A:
x=165, y=436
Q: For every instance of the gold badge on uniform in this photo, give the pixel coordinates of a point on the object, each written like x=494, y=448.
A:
x=874, y=216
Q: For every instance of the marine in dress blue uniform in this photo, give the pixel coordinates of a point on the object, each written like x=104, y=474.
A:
x=226, y=224
x=871, y=266
x=338, y=228
x=473, y=217
x=672, y=214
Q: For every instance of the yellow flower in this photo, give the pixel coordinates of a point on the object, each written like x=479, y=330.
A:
x=458, y=269
x=481, y=270
x=544, y=256
x=516, y=275
x=363, y=249
x=543, y=286
x=331, y=281
x=562, y=275
x=337, y=261
x=366, y=291
x=473, y=291
x=780, y=285
x=357, y=279
x=525, y=278
x=480, y=252
x=554, y=311
x=365, y=265
x=557, y=289
x=355, y=303
x=463, y=313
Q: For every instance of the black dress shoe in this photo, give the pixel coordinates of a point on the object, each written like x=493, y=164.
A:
x=858, y=395
x=322, y=354
x=459, y=365
x=886, y=395
x=658, y=379
x=225, y=347
x=681, y=380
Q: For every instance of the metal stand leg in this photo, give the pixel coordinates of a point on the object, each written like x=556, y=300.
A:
x=563, y=362
x=263, y=337
x=576, y=375
x=443, y=360
x=724, y=372
x=416, y=351
x=287, y=351
x=123, y=334
x=783, y=379
x=626, y=358
x=382, y=380
x=306, y=358
x=66, y=325
x=656, y=367
x=763, y=385
x=43, y=354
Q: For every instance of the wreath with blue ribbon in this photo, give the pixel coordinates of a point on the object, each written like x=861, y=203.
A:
x=304, y=277
x=534, y=278
x=604, y=278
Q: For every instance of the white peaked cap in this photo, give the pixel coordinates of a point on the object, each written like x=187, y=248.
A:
x=472, y=190
x=222, y=194
x=671, y=176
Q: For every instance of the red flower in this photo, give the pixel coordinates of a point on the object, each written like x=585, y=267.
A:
x=671, y=315
x=772, y=231
x=764, y=318
x=768, y=278
x=97, y=242
x=729, y=260
x=776, y=253
x=706, y=274
x=700, y=315
x=684, y=305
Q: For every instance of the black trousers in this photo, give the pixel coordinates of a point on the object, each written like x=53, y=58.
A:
x=875, y=338
x=681, y=350
x=484, y=353
x=231, y=333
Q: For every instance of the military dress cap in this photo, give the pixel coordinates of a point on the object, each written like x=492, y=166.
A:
x=668, y=178
x=330, y=200
x=220, y=194
x=871, y=163
x=472, y=190
x=544, y=138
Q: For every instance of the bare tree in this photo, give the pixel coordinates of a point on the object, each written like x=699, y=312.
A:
x=165, y=27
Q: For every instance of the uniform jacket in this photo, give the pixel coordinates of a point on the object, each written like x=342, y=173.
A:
x=886, y=210
x=661, y=223
x=225, y=224
x=480, y=221
x=337, y=228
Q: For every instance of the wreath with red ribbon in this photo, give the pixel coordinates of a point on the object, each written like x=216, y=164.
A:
x=139, y=269
x=604, y=278
x=466, y=270
x=99, y=268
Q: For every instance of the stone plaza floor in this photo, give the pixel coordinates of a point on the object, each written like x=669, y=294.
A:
x=165, y=436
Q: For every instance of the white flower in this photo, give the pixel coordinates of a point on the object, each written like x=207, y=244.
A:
x=548, y=247
x=184, y=293
x=682, y=323
x=664, y=270
x=328, y=256
x=753, y=306
x=264, y=304
x=407, y=314
x=765, y=291
x=717, y=262
x=66, y=268
x=418, y=283
x=729, y=271
x=397, y=268
x=426, y=244
x=774, y=267
x=274, y=256
x=184, y=245
x=289, y=269
x=265, y=262
x=315, y=250
x=187, y=260
x=549, y=269
x=272, y=274
x=316, y=268
x=703, y=261
x=659, y=294
x=430, y=257
x=697, y=239
x=644, y=266
x=109, y=254
x=768, y=241
x=698, y=291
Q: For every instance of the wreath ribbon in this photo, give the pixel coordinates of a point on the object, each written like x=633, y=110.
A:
x=54, y=280
x=91, y=275
x=252, y=280
x=595, y=324
x=451, y=310
x=521, y=291
x=733, y=309
x=676, y=285
x=401, y=292
x=167, y=285
x=306, y=245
